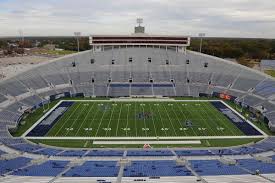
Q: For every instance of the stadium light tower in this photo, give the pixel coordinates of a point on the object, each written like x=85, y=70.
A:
x=201, y=35
x=139, y=21
x=21, y=34
x=77, y=35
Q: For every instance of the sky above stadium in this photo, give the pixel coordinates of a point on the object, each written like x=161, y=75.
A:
x=216, y=18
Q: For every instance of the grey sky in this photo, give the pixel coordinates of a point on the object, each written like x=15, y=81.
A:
x=223, y=18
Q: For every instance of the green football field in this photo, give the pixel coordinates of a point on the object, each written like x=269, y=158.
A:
x=142, y=119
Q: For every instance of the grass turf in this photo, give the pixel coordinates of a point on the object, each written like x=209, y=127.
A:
x=143, y=119
x=270, y=72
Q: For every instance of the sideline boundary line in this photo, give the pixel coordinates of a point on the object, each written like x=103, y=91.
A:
x=146, y=138
x=41, y=119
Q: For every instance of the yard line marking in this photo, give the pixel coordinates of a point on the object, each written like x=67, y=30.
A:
x=205, y=122
x=153, y=120
x=101, y=121
x=85, y=119
x=65, y=120
x=118, y=119
x=178, y=120
x=94, y=117
x=210, y=118
x=161, y=121
x=110, y=118
x=170, y=120
x=76, y=119
x=225, y=124
x=207, y=114
x=194, y=132
x=127, y=119
x=135, y=118
x=144, y=122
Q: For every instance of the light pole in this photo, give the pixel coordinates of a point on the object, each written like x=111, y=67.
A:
x=77, y=35
x=201, y=35
x=21, y=33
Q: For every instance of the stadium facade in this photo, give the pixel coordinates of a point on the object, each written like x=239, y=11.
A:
x=138, y=65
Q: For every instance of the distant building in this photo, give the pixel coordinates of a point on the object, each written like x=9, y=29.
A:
x=139, y=30
x=49, y=46
x=267, y=64
x=139, y=39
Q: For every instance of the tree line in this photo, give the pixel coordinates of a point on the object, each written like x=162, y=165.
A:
x=238, y=48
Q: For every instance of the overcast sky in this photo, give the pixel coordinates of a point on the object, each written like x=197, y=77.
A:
x=221, y=18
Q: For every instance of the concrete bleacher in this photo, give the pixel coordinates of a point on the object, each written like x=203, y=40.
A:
x=265, y=88
x=13, y=87
x=61, y=72
x=247, y=79
x=2, y=98
x=32, y=79
x=7, y=116
x=251, y=100
x=32, y=100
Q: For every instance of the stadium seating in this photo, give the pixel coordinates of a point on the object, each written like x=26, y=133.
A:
x=155, y=168
x=253, y=165
x=13, y=87
x=191, y=79
x=94, y=169
x=78, y=153
x=265, y=88
x=149, y=153
x=12, y=164
x=193, y=152
x=49, y=168
x=105, y=153
x=2, y=98
x=7, y=116
x=215, y=167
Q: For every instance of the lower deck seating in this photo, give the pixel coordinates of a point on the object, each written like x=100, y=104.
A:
x=105, y=153
x=149, y=153
x=193, y=152
x=12, y=164
x=2, y=152
x=254, y=165
x=49, y=168
x=49, y=151
x=78, y=153
x=155, y=168
x=94, y=169
x=26, y=147
x=215, y=167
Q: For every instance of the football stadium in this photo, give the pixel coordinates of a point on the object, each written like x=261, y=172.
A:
x=137, y=108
